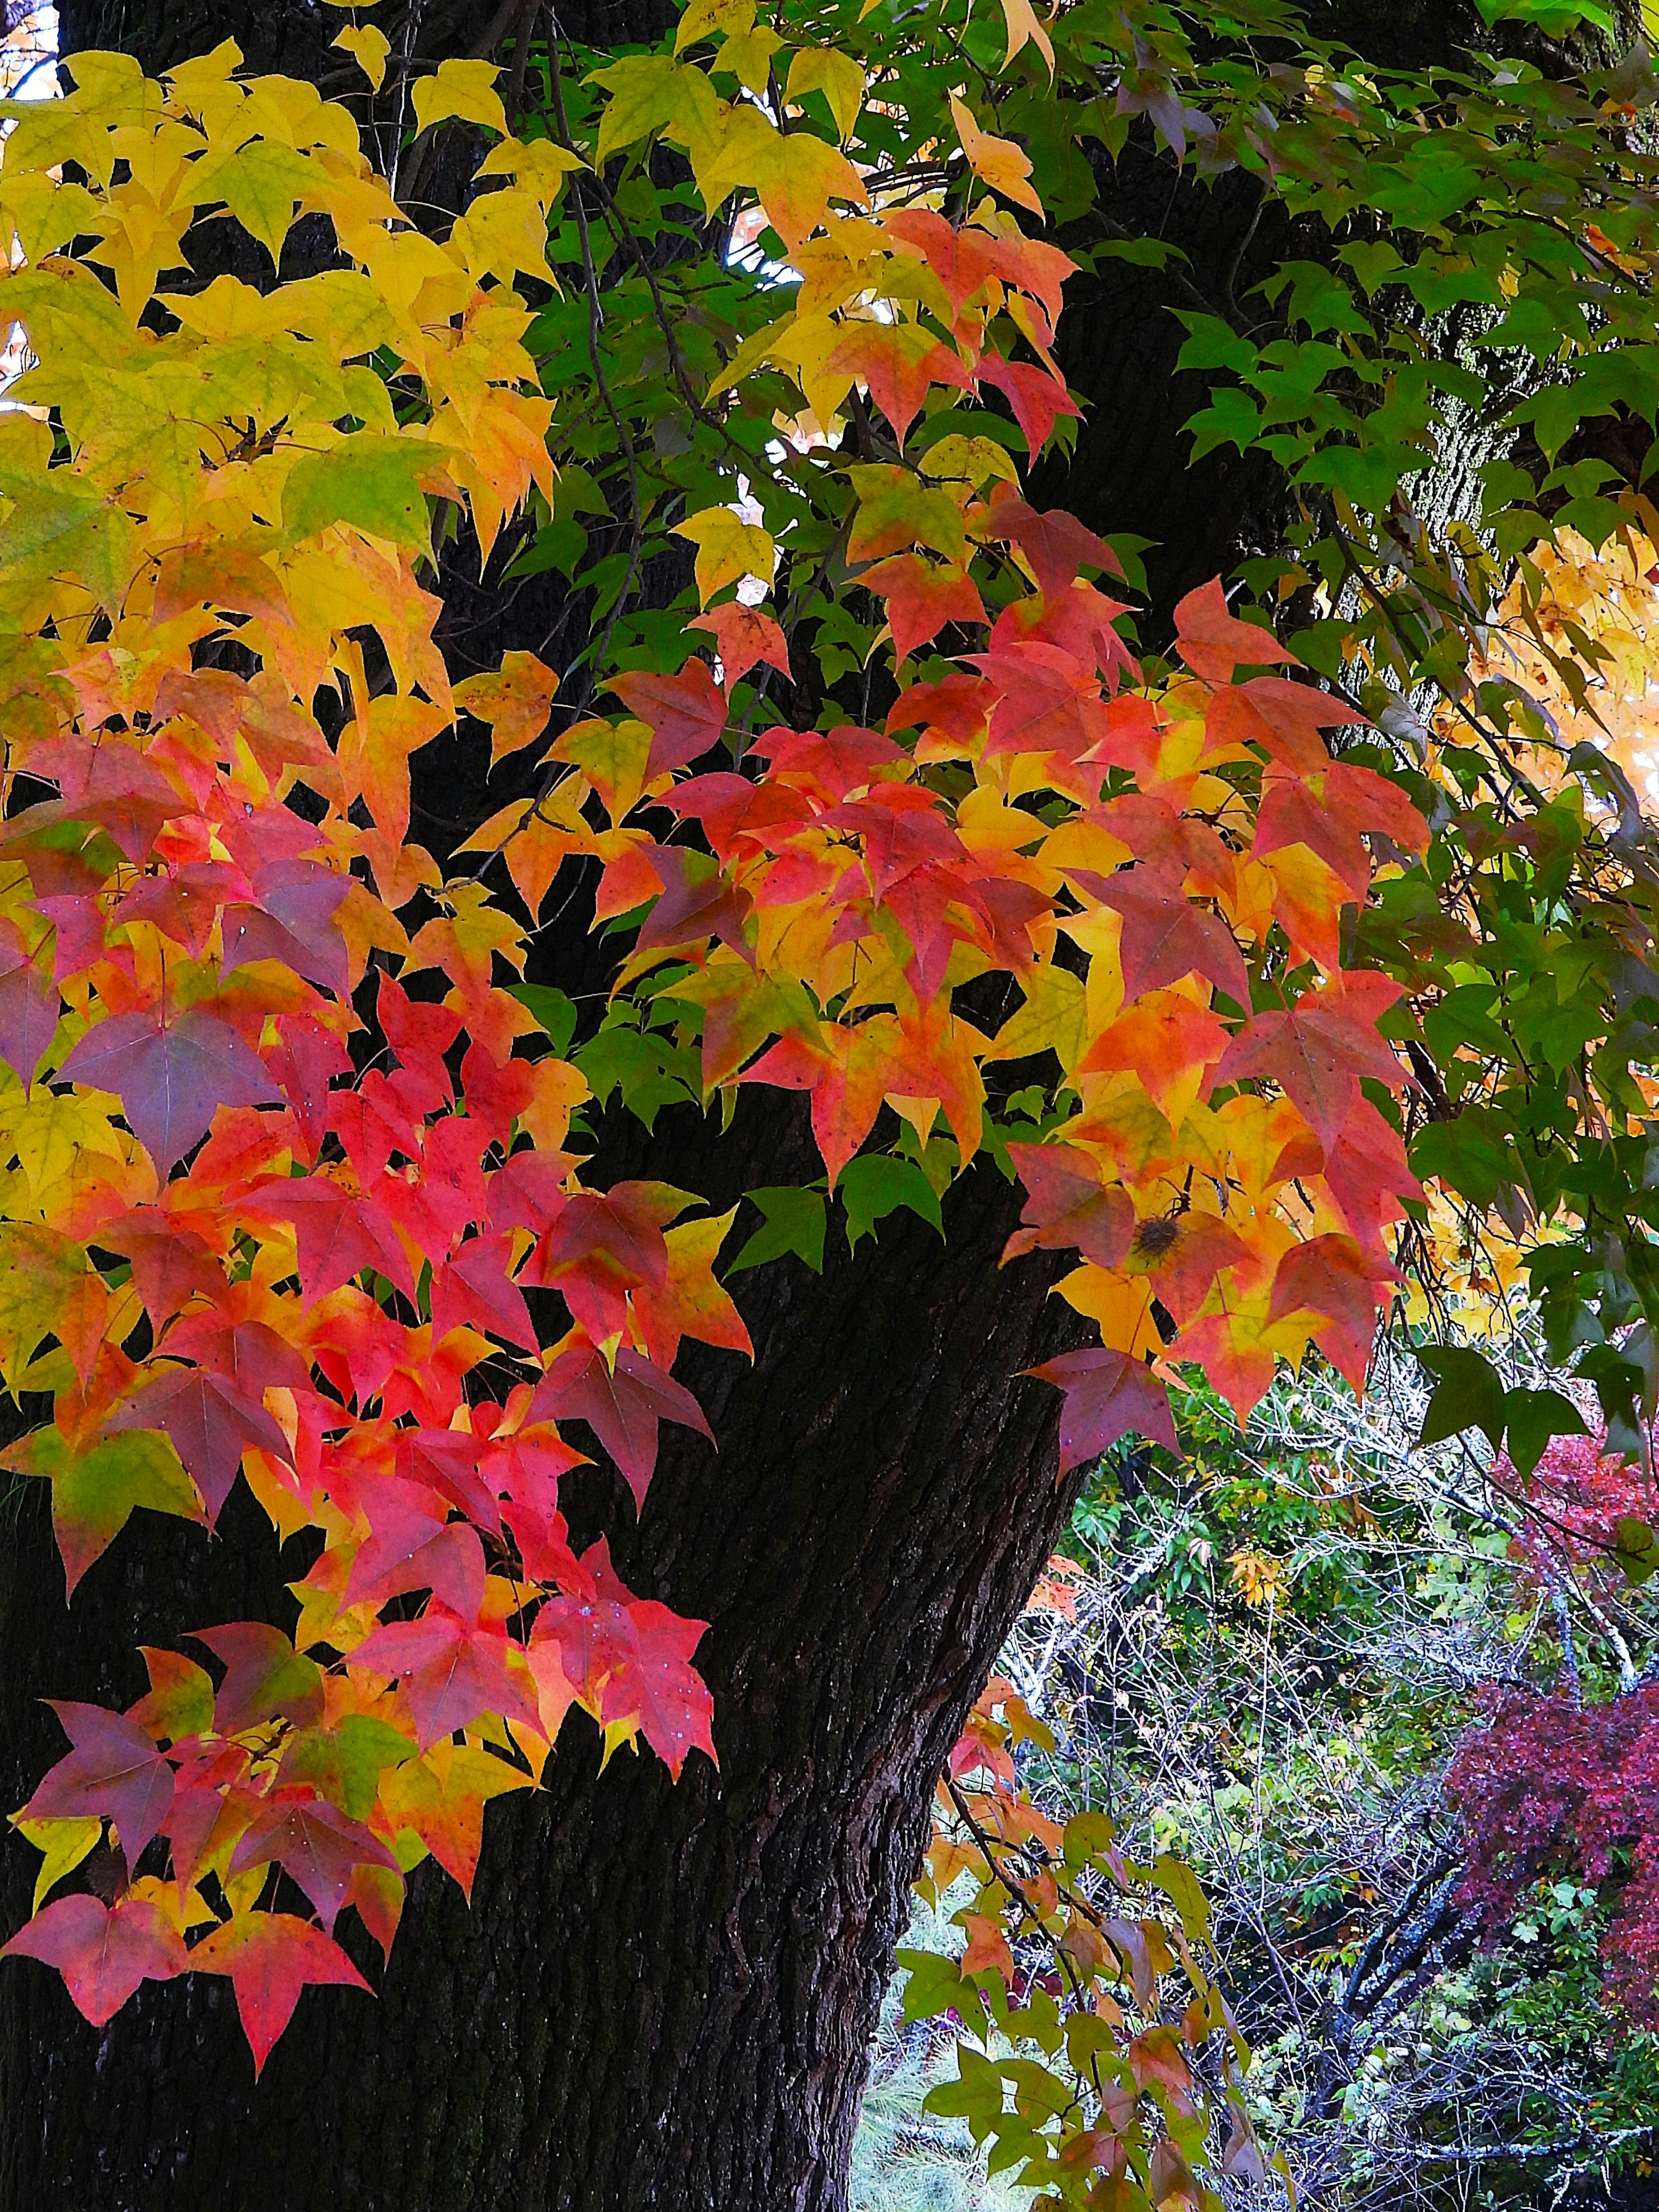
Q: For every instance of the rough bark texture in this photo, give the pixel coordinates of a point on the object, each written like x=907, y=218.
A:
x=661, y=1995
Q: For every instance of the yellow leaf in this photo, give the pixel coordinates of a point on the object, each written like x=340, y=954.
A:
x=514, y=702
x=795, y=177
x=997, y=163
x=369, y=47
x=537, y=163
x=465, y=90
x=1022, y=25
x=728, y=550
x=1052, y=1019
x=649, y=94
x=838, y=76
x=703, y=18
x=65, y=1845
x=749, y=57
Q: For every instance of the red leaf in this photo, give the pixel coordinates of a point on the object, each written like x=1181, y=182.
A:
x=473, y=1286
x=1067, y=1206
x=294, y=922
x=114, y=1772
x=1037, y=396
x=304, y=1064
x=453, y=1671
x=1317, y=1051
x=622, y=1408
x=1108, y=1394
x=742, y=635
x=315, y=1844
x=1214, y=642
x=685, y=713
x=1056, y=544
x=693, y=908
x=337, y=1235
x=1331, y=1277
x=103, y=1951
x=921, y=598
x=269, y=1958
x=210, y=1422
x=170, y=1078
x=264, y=1677
x=1165, y=937
x=413, y=1547
x=29, y=1008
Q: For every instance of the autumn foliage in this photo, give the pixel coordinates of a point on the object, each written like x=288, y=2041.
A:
x=292, y=1192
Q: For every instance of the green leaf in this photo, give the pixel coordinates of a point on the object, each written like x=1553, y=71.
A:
x=873, y=1186
x=554, y=1009
x=1532, y=1417
x=1469, y=1394
x=1180, y=1886
x=1637, y=1551
x=344, y=1764
x=369, y=480
x=932, y=1985
x=795, y=1222
x=94, y=1496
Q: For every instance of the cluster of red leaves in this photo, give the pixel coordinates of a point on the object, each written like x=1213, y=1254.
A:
x=1543, y=1787
x=1576, y=1498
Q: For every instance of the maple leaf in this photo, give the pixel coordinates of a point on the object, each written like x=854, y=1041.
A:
x=1036, y=395
x=1067, y=1206
x=1318, y=1050
x=292, y=922
x=1165, y=937
x=169, y=1076
x=685, y=713
x=264, y=1677
x=336, y=1235
x=473, y=1286
x=693, y=907
x=440, y=1796
x=29, y=1009
x=113, y=1772
x=1333, y=821
x=900, y=362
x=453, y=1671
x=921, y=598
x=658, y=1688
x=412, y=1547
x=514, y=700
x=95, y=1492
x=1214, y=642
x=1108, y=1394
x=1057, y=545
x=269, y=1957
x=622, y=1405
x=728, y=550
x=209, y=1422
x=314, y=1842
x=103, y=1951
x=304, y=1064
x=744, y=636
x=1169, y=1043
x=999, y=161
x=1332, y=1277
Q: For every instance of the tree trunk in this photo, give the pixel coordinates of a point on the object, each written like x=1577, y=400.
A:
x=662, y=1995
